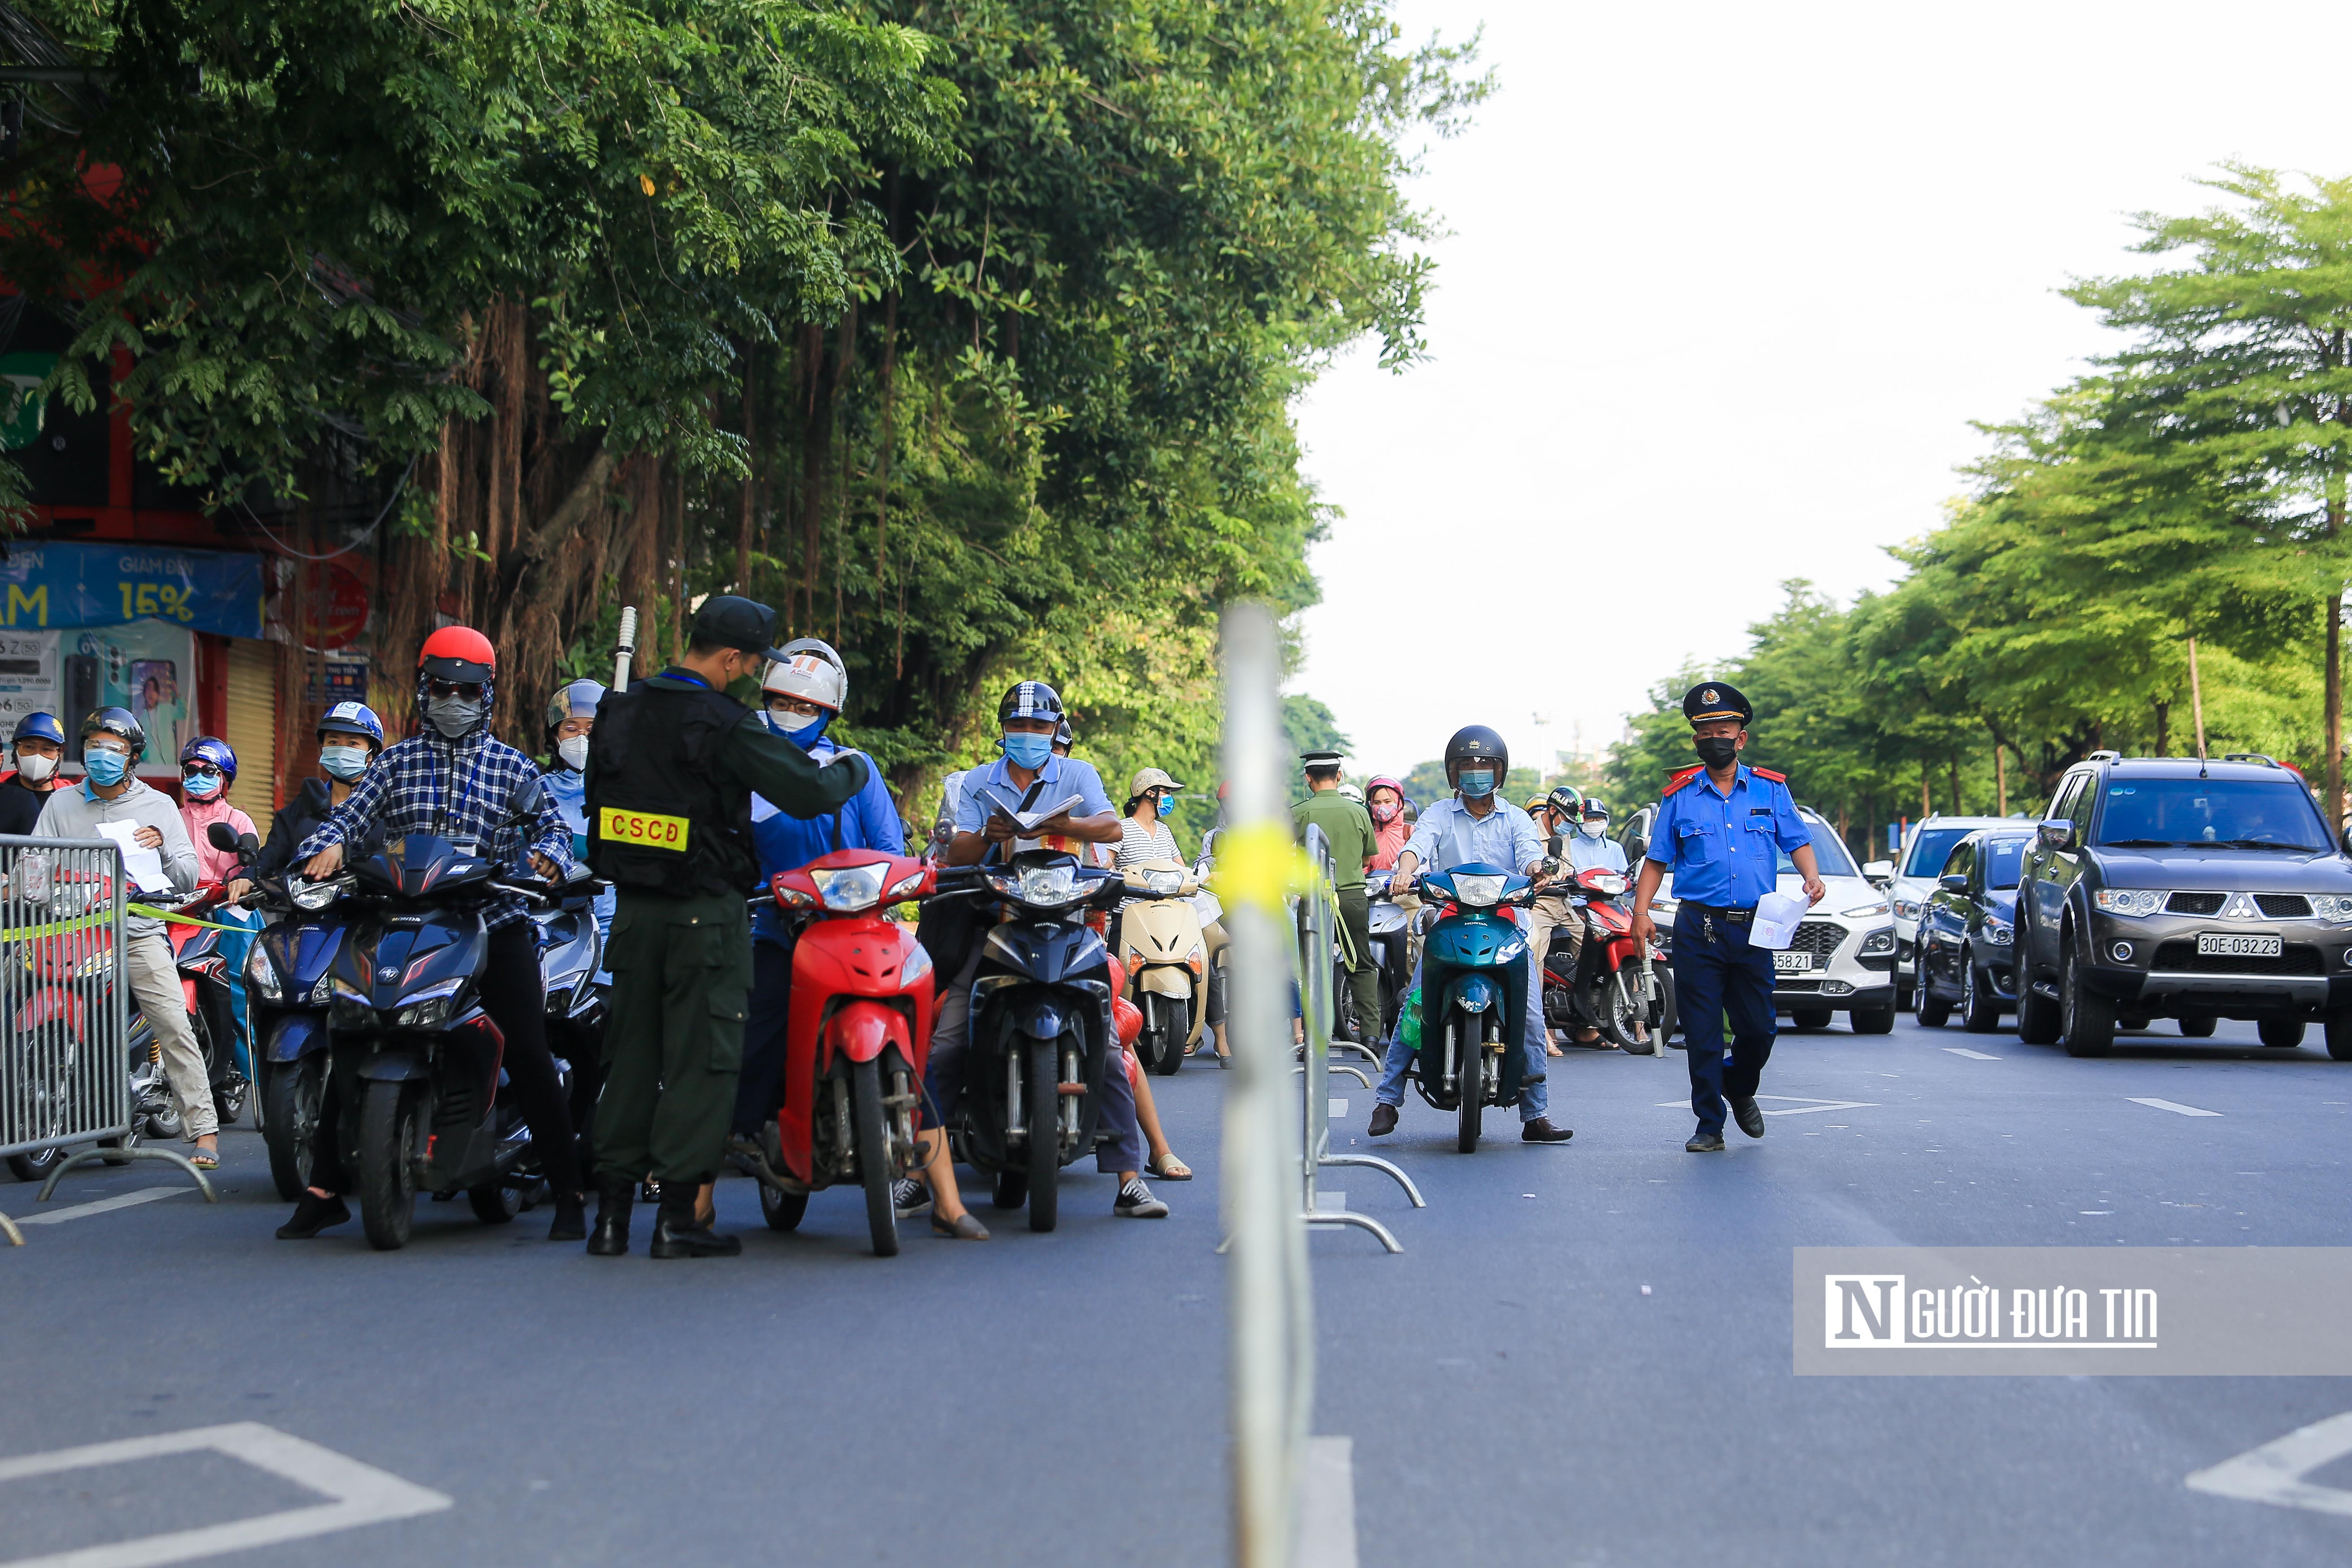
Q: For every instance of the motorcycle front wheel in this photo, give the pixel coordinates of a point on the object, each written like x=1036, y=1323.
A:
x=387, y=1181
x=782, y=1210
x=1175, y=1029
x=495, y=1203
x=1044, y=1133
x=874, y=1156
x=292, y=1100
x=1470, y=1115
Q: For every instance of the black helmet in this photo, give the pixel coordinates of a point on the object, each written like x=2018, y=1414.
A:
x=1066, y=736
x=115, y=722
x=1031, y=700
x=1566, y=801
x=1476, y=743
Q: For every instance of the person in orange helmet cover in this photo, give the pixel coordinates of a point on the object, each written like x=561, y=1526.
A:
x=452, y=780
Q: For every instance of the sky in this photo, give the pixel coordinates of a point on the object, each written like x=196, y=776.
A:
x=1722, y=288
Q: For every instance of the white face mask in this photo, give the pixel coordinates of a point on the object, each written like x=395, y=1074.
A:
x=573, y=750
x=37, y=770
x=1593, y=826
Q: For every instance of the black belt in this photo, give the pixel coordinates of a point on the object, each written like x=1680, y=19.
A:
x=1716, y=911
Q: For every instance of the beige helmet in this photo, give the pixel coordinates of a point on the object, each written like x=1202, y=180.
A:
x=1150, y=779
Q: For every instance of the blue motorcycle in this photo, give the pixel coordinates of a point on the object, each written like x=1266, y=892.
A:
x=1473, y=994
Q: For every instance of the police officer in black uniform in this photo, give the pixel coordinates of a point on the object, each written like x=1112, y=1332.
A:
x=672, y=766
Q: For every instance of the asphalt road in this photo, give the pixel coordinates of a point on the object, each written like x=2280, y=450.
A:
x=1582, y=1357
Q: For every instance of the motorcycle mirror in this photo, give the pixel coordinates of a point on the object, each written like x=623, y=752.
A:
x=528, y=800
x=247, y=844
x=221, y=836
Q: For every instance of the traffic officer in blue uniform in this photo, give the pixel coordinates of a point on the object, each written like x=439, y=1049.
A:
x=1720, y=831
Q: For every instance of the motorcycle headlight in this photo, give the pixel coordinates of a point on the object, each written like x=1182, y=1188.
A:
x=850, y=888
x=429, y=1008
x=1044, y=887
x=1163, y=882
x=2128, y=900
x=324, y=992
x=1880, y=941
x=313, y=895
x=1477, y=892
x=262, y=974
x=1608, y=885
x=348, y=1006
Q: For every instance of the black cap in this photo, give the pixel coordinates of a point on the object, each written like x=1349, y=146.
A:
x=1716, y=699
x=738, y=623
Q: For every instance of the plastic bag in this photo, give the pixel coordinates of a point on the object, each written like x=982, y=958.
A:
x=1408, y=1021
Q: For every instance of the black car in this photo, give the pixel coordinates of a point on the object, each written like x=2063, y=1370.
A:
x=1968, y=931
x=2166, y=887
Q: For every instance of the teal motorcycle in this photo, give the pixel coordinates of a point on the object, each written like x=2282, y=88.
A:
x=1473, y=994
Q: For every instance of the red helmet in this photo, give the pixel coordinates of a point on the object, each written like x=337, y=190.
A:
x=457, y=654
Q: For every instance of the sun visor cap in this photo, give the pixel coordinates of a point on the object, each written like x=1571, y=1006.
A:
x=745, y=625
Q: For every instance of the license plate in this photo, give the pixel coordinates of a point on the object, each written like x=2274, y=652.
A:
x=2210, y=944
x=1792, y=963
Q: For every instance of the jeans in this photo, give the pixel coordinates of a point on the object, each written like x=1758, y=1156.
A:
x=1535, y=1093
x=943, y=1080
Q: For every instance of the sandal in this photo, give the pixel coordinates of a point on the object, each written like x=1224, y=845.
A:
x=1171, y=1170
x=203, y=1160
x=963, y=1227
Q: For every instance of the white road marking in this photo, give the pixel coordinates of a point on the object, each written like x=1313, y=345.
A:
x=2274, y=1473
x=1326, y=1202
x=1338, y=1108
x=2174, y=1106
x=360, y=1494
x=120, y=1201
x=1327, y=1504
x=1973, y=1055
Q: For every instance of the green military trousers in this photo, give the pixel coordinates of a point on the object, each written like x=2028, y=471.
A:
x=1363, y=975
x=673, y=1034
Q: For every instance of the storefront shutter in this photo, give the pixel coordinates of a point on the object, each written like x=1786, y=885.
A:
x=253, y=728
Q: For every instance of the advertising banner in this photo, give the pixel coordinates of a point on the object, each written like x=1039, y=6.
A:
x=47, y=585
x=148, y=666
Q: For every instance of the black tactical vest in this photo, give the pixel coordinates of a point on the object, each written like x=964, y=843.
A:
x=657, y=820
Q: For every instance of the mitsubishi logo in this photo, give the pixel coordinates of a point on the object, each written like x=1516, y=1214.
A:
x=2240, y=907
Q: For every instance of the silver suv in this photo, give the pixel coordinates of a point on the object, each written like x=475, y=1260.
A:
x=1921, y=860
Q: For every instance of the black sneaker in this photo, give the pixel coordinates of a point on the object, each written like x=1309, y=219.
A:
x=1136, y=1202
x=1705, y=1143
x=909, y=1197
x=1750, y=1120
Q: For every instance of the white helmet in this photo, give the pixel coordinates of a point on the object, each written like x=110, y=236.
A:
x=811, y=671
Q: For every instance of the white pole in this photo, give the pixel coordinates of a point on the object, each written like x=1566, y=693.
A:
x=627, y=648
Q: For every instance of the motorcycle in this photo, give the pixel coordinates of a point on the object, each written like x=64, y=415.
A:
x=288, y=987
x=1614, y=984
x=1470, y=996
x=1391, y=948
x=1159, y=930
x=1042, y=1026
x=859, y=1036
x=570, y=959
x=204, y=986
x=414, y=1058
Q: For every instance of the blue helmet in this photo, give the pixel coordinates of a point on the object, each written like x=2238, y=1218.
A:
x=214, y=750
x=40, y=727
x=352, y=719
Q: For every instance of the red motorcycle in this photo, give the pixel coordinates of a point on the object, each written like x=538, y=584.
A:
x=859, y=1036
x=1614, y=984
x=204, y=988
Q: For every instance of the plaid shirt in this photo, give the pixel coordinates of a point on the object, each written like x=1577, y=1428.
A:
x=457, y=790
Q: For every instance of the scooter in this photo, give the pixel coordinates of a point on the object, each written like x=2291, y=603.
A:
x=1614, y=984
x=212, y=1011
x=1041, y=1027
x=859, y=1036
x=1167, y=960
x=1472, y=999
x=414, y=1058
x=1391, y=948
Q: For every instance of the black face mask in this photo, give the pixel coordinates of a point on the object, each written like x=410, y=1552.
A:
x=1717, y=751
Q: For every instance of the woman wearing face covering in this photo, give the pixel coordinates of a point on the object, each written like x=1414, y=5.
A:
x=40, y=745
x=349, y=737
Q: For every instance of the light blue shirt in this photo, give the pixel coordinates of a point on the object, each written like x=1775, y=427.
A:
x=1603, y=854
x=991, y=787
x=1447, y=836
x=1724, y=850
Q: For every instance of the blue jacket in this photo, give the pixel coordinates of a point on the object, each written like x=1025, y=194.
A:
x=786, y=843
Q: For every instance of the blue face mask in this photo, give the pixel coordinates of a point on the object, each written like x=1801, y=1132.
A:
x=806, y=735
x=344, y=762
x=1476, y=782
x=105, y=768
x=1028, y=751
x=201, y=787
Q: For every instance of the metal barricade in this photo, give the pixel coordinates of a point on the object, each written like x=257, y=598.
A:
x=1318, y=928
x=64, y=1011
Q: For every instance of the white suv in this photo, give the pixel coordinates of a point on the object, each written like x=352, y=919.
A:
x=1925, y=850
x=1842, y=960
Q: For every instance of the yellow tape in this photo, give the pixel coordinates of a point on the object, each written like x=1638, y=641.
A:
x=1260, y=866
x=154, y=913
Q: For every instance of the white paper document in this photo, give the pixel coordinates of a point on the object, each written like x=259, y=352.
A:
x=1777, y=917
x=143, y=867
x=1028, y=820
